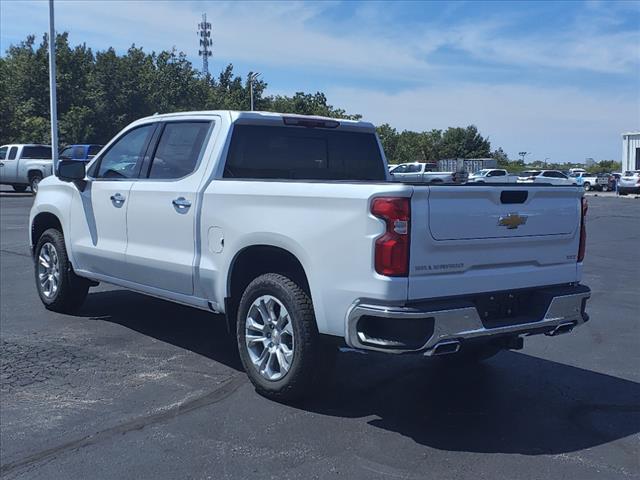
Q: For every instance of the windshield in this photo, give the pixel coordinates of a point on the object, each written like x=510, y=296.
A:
x=529, y=174
x=481, y=173
x=631, y=173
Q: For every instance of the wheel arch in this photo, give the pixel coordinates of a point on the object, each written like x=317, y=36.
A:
x=253, y=261
x=42, y=222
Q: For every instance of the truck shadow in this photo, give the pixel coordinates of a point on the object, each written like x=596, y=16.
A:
x=514, y=403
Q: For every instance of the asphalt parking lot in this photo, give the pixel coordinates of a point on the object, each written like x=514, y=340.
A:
x=135, y=387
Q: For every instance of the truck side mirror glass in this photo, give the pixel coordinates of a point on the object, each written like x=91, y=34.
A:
x=71, y=170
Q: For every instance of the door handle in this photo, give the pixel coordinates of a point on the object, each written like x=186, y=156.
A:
x=117, y=199
x=181, y=204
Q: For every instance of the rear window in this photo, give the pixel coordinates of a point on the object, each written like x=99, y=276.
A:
x=36, y=152
x=258, y=151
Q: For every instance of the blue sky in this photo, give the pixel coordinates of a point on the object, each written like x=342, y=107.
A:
x=558, y=79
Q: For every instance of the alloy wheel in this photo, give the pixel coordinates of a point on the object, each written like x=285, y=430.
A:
x=269, y=337
x=48, y=270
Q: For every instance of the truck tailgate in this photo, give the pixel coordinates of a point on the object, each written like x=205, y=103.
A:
x=478, y=238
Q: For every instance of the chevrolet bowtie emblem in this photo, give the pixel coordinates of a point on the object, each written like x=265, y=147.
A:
x=512, y=221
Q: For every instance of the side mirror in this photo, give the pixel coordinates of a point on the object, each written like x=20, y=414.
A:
x=71, y=170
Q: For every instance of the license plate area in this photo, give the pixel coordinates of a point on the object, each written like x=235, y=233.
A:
x=510, y=308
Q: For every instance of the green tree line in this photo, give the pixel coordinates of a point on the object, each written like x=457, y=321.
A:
x=434, y=145
x=100, y=93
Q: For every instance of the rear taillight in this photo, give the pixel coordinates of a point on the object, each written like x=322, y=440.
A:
x=583, y=230
x=392, y=248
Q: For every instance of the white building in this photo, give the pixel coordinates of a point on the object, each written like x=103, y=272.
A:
x=630, y=151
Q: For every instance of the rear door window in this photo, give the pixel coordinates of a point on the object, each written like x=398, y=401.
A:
x=13, y=151
x=287, y=152
x=179, y=149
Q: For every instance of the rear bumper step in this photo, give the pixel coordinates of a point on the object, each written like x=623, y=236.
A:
x=440, y=327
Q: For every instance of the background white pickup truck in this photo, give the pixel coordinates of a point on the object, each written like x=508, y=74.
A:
x=590, y=181
x=290, y=226
x=419, y=172
x=23, y=166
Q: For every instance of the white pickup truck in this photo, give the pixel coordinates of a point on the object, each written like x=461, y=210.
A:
x=290, y=226
x=420, y=172
x=23, y=166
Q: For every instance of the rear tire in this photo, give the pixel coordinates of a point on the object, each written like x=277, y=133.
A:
x=34, y=181
x=59, y=288
x=19, y=188
x=280, y=347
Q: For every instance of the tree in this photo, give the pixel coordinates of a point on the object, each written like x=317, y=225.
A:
x=464, y=143
x=99, y=94
x=389, y=139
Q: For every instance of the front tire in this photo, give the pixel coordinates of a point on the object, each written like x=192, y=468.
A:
x=587, y=186
x=59, y=288
x=280, y=347
x=19, y=188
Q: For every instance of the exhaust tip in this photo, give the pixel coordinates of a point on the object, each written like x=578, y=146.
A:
x=444, y=348
x=560, y=329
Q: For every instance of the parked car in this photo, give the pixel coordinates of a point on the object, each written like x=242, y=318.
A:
x=491, y=175
x=288, y=225
x=553, y=177
x=629, y=182
x=420, y=172
x=591, y=181
x=25, y=165
x=83, y=153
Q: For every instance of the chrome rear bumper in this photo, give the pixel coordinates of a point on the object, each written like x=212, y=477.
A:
x=455, y=321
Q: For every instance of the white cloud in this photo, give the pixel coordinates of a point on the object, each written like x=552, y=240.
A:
x=564, y=123
x=287, y=34
x=293, y=39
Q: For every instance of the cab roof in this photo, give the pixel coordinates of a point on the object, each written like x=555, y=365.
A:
x=236, y=116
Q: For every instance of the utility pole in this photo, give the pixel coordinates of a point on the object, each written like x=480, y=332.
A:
x=52, y=90
x=252, y=78
x=204, y=31
x=523, y=154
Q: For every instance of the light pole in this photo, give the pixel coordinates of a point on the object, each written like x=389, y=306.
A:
x=52, y=90
x=523, y=154
x=545, y=161
x=252, y=78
